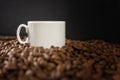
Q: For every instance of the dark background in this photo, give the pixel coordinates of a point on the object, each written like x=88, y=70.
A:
x=85, y=19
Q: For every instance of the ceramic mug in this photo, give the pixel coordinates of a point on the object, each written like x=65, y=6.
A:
x=43, y=33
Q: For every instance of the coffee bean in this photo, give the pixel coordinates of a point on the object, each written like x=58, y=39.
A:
x=30, y=58
x=51, y=66
x=37, y=54
x=9, y=65
x=46, y=56
x=35, y=63
x=88, y=63
x=29, y=72
x=21, y=75
x=41, y=75
x=25, y=53
x=55, y=56
x=65, y=78
x=68, y=66
x=60, y=68
x=55, y=75
x=22, y=66
x=1, y=73
x=77, y=60
x=57, y=61
x=42, y=62
x=116, y=77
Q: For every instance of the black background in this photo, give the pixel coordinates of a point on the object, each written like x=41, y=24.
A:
x=85, y=19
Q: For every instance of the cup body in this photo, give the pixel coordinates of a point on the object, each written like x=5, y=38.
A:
x=46, y=33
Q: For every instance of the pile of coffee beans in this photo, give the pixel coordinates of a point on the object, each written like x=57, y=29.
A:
x=77, y=60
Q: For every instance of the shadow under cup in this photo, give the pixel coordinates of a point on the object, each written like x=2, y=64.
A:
x=44, y=33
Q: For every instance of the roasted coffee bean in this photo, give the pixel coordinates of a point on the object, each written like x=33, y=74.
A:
x=68, y=66
x=55, y=75
x=58, y=62
x=1, y=73
x=42, y=62
x=24, y=54
x=60, y=68
x=51, y=66
x=88, y=63
x=77, y=60
x=41, y=75
x=21, y=66
x=55, y=56
x=46, y=56
x=116, y=77
x=36, y=52
x=30, y=58
x=29, y=72
x=10, y=65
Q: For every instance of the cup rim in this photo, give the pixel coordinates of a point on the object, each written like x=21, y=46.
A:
x=46, y=21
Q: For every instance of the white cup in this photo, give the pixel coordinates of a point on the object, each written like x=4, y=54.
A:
x=44, y=33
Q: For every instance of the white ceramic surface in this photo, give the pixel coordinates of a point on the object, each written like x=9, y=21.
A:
x=44, y=33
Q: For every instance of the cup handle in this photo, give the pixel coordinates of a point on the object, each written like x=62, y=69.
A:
x=18, y=33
